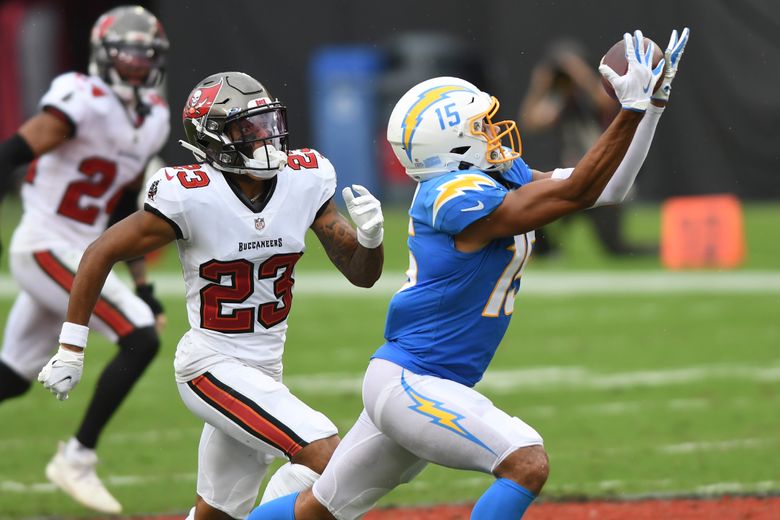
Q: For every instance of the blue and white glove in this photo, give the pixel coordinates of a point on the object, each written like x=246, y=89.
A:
x=674, y=52
x=366, y=212
x=634, y=89
x=62, y=373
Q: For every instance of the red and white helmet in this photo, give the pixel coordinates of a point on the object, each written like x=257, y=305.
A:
x=445, y=124
x=127, y=50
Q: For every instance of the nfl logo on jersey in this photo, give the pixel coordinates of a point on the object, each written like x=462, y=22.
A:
x=259, y=223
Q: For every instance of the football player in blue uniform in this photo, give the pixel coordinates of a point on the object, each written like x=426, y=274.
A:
x=470, y=235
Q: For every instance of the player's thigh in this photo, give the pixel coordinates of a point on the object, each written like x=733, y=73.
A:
x=229, y=472
x=47, y=276
x=254, y=409
x=30, y=336
x=365, y=467
x=440, y=420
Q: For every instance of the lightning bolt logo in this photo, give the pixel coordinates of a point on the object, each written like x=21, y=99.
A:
x=423, y=103
x=440, y=416
x=457, y=187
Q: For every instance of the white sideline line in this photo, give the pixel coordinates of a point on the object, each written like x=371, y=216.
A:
x=570, y=378
x=691, y=447
x=12, y=486
x=542, y=283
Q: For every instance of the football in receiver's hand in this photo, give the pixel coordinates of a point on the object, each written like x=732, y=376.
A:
x=616, y=59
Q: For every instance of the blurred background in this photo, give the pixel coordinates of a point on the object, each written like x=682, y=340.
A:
x=610, y=356
x=341, y=65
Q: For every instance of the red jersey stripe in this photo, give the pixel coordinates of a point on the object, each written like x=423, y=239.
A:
x=250, y=418
x=64, y=278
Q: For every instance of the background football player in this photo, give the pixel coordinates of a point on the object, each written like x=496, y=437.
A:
x=471, y=232
x=239, y=219
x=91, y=141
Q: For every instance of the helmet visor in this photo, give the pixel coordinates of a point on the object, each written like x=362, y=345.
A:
x=135, y=63
x=256, y=130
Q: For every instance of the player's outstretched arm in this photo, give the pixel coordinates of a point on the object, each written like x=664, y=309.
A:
x=137, y=235
x=621, y=182
x=358, y=254
x=539, y=203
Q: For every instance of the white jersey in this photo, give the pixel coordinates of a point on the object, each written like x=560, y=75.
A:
x=69, y=192
x=238, y=263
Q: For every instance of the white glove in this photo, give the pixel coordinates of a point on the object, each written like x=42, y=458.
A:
x=634, y=89
x=366, y=212
x=674, y=52
x=62, y=372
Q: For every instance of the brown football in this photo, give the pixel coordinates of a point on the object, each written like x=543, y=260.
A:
x=616, y=58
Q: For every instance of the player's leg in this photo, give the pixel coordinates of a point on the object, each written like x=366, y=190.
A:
x=255, y=410
x=124, y=319
x=520, y=478
x=229, y=475
x=455, y=426
x=302, y=471
x=28, y=341
x=365, y=467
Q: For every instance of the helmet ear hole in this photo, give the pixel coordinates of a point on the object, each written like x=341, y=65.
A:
x=460, y=150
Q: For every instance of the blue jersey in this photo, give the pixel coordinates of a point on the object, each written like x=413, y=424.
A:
x=452, y=313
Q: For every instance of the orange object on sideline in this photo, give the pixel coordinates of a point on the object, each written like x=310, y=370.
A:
x=702, y=232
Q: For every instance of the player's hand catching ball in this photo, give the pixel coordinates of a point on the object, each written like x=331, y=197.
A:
x=674, y=52
x=366, y=212
x=63, y=371
x=633, y=89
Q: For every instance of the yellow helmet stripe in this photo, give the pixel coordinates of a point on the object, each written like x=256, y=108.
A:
x=423, y=103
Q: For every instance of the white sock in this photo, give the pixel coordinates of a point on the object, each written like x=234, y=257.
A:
x=288, y=479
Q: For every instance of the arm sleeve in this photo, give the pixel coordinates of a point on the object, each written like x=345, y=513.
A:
x=14, y=152
x=127, y=204
x=163, y=198
x=620, y=184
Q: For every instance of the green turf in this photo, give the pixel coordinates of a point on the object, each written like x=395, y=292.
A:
x=654, y=393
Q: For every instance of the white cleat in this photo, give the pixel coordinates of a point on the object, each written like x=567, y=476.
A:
x=79, y=480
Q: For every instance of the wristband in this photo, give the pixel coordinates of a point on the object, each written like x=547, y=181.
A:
x=370, y=241
x=73, y=334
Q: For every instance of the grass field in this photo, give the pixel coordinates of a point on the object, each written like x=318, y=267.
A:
x=636, y=392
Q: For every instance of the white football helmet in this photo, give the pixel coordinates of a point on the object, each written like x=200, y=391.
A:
x=445, y=124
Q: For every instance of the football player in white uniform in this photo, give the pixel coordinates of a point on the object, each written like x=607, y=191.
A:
x=239, y=217
x=91, y=141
